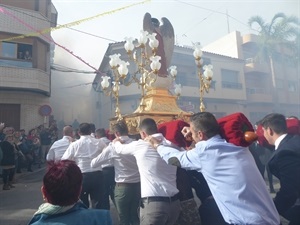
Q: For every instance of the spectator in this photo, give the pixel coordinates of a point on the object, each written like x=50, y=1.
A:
x=2, y=135
x=27, y=55
x=61, y=189
x=8, y=162
x=46, y=140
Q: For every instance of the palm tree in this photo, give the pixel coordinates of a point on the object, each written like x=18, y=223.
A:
x=281, y=33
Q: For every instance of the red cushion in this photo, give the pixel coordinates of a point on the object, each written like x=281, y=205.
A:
x=293, y=127
x=172, y=132
x=233, y=128
x=110, y=135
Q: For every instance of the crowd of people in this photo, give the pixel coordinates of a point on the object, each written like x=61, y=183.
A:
x=21, y=151
x=152, y=180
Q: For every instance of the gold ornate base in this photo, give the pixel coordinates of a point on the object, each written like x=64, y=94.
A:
x=157, y=104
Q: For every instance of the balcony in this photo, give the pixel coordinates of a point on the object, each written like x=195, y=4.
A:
x=259, y=95
x=32, y=18
x=254, y=66
x=25, y=79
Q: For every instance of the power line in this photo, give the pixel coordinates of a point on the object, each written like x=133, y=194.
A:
x=70, y=28
x=62, y=68
x=215, y=11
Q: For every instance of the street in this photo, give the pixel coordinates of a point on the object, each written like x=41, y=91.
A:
x=19, y=204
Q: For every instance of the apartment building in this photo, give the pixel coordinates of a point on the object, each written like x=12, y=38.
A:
x=240, y=82
x=25, y=76
x=271, y=86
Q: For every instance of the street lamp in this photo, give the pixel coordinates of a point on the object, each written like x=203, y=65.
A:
x=205, y=78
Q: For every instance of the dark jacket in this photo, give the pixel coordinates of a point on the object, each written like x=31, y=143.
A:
x=8, y=154
x=285, y=165
x=77, y=215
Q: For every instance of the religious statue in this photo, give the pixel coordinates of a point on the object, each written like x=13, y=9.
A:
x=165, y=36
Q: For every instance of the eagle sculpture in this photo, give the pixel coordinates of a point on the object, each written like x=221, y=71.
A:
x=165, y=36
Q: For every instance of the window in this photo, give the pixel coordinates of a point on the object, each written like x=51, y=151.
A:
x=16, y=50
x=279, y=83
x=230, y=79
x=9, y=50
x=185, y=80
x=292, y=86
x=16, y=55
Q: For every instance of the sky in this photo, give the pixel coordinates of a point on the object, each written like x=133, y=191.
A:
x=193, y=21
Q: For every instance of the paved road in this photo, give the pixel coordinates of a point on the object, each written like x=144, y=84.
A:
x=19, y=204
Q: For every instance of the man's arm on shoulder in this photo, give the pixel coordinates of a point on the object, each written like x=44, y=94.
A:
x=124, y=149
x=186, y=159
x=103, y=157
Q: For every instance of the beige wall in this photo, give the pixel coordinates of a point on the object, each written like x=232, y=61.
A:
x=226, y=45
x=34, y=79
x=30, y=104
x=33, y=18
x=29, y=5
x=42, y=51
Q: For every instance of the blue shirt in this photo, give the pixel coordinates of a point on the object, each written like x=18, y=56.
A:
x=233, y=178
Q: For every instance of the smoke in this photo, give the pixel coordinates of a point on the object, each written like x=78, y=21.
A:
x=71, y=93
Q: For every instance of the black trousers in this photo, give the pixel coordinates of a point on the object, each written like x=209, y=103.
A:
x=293, y=215
x=210, y=213
x=92, y=188
x=108, y=185
x=8, y=175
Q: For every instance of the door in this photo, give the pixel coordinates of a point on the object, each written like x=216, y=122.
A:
x=10, y=115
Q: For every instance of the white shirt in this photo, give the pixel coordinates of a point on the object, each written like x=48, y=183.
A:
x=58, y=148
x=157, y=177
x=105, y=140
x=233, y=178
x=278, y=140
x=83, y=151
x=108, y=163
x=126, y=169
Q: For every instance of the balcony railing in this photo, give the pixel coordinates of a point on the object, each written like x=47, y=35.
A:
x=253, y=91
x=16, y=63
x=231, y=85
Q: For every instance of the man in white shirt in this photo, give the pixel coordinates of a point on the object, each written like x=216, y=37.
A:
x=59, y=147
x=230, y=171
x=82, y=152
x=160, y=200
x=128, y=189
x=108, y=172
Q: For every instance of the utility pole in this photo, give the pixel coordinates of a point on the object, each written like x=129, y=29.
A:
x=227, y=17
